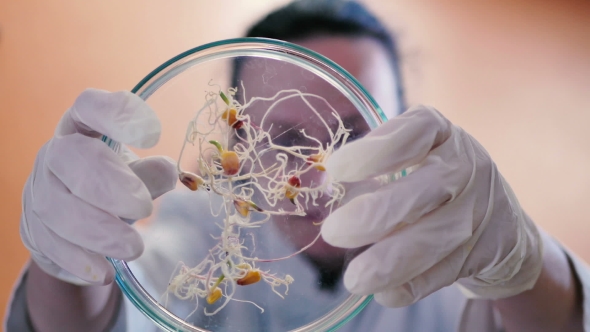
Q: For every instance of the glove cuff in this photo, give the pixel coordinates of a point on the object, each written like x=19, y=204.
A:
x=517, y=272
x=520, y=268
x=57, y=272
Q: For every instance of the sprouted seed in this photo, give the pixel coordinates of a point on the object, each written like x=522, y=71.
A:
x=317, y=161
x=236, y=173
x=214, y=296
x=191, y=180
x=251, y=277
x=292, y=188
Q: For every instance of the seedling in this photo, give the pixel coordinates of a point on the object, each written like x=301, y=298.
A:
x=235, y=167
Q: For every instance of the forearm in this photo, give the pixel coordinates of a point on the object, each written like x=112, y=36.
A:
x=554, y=304
x=55, y=305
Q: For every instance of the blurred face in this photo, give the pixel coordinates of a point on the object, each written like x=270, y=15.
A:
x=362, y=57
x=367, y=61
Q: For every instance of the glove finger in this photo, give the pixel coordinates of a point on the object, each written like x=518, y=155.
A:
x=158, y=173
x=126, y=155
x=442, y=274
x=408, y=252
x=88, y=266
x=82, y=224
x=401, y=142
x=368, y=218
x=356, y=189
x=94, y=173
x=122, y=116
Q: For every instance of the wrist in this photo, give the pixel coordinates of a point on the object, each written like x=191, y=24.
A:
x=555, y=301
x=53, y=303
x=516, y=272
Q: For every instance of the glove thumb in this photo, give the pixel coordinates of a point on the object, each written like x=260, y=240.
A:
x=158, y=173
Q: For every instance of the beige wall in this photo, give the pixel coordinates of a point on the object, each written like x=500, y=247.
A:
x=514, y=73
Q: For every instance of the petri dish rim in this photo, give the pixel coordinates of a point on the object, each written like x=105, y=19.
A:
x=262, y=47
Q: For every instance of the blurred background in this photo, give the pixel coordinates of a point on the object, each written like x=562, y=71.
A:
x=513, y=73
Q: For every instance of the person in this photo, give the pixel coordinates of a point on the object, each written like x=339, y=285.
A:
x=447, y=247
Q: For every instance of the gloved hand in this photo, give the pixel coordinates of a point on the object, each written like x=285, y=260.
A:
x=454, y=218
x=80, y=188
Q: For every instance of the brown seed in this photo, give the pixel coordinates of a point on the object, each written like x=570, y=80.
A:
x=238, y=124
x=191, y=180
x=230, y=162
x=294, y=181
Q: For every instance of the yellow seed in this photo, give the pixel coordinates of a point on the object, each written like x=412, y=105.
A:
x=242, y=207
x=230, y=162
x=317, y=159
x=230, y=116
x=251, y=277
x=291, y=192
x=214, y=296
x=291, y=188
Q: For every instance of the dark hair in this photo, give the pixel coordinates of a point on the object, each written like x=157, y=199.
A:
x=309, y=18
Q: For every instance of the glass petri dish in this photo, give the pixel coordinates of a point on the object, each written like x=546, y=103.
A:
x=292, y=94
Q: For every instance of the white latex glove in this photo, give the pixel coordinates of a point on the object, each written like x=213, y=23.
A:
x=80, y=188
x=454, y=218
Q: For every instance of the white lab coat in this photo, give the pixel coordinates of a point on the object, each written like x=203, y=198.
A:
x=445, y=310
